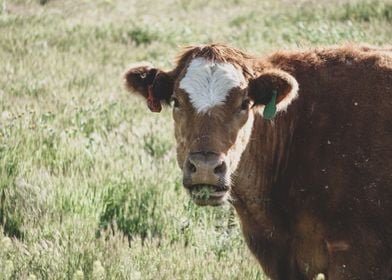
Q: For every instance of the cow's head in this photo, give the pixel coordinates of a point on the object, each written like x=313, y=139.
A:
x=215, y=92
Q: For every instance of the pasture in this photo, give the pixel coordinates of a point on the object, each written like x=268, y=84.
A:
x=89, y=184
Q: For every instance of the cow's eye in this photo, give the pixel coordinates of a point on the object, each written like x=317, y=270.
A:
x=175, y=102
x=245, y=104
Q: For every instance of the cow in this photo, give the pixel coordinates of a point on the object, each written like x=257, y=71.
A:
x=299, y=142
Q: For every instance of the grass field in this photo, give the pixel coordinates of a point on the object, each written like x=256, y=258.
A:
x=89, y=186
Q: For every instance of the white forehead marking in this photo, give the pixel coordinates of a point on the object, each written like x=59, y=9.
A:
x=208, y=83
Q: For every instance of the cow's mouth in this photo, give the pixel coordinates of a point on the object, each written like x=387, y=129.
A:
x=208, y=194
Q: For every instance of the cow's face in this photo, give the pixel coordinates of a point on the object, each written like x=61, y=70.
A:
x=213, y=122
x=213, y=111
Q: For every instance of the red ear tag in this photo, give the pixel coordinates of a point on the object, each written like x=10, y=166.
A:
x=153, y=104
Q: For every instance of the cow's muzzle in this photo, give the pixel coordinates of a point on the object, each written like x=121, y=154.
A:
x=205, y=178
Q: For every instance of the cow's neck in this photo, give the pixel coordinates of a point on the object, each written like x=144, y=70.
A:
x=260, y=169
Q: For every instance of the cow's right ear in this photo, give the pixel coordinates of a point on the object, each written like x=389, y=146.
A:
x=155, y=85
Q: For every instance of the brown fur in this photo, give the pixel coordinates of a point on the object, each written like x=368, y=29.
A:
x=313, y=187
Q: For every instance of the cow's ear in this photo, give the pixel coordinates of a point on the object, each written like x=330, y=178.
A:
x=155, y=85
x=272, y=91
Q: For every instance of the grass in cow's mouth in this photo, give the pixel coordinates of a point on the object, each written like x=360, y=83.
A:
x=203, y=192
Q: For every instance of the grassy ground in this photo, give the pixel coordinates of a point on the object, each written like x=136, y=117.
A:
x=89, y=187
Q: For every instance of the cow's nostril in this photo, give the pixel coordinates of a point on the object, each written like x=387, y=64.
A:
x=220, y=169
x=191, y=167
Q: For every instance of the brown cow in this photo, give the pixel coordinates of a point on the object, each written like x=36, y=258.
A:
x=299, y=142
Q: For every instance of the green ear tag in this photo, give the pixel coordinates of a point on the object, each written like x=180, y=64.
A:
x=270, y=109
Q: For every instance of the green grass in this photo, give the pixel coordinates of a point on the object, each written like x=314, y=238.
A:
x=89, y=185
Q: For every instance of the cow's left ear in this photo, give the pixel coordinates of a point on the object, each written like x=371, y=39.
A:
x=155, y=85
x=274, y=90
